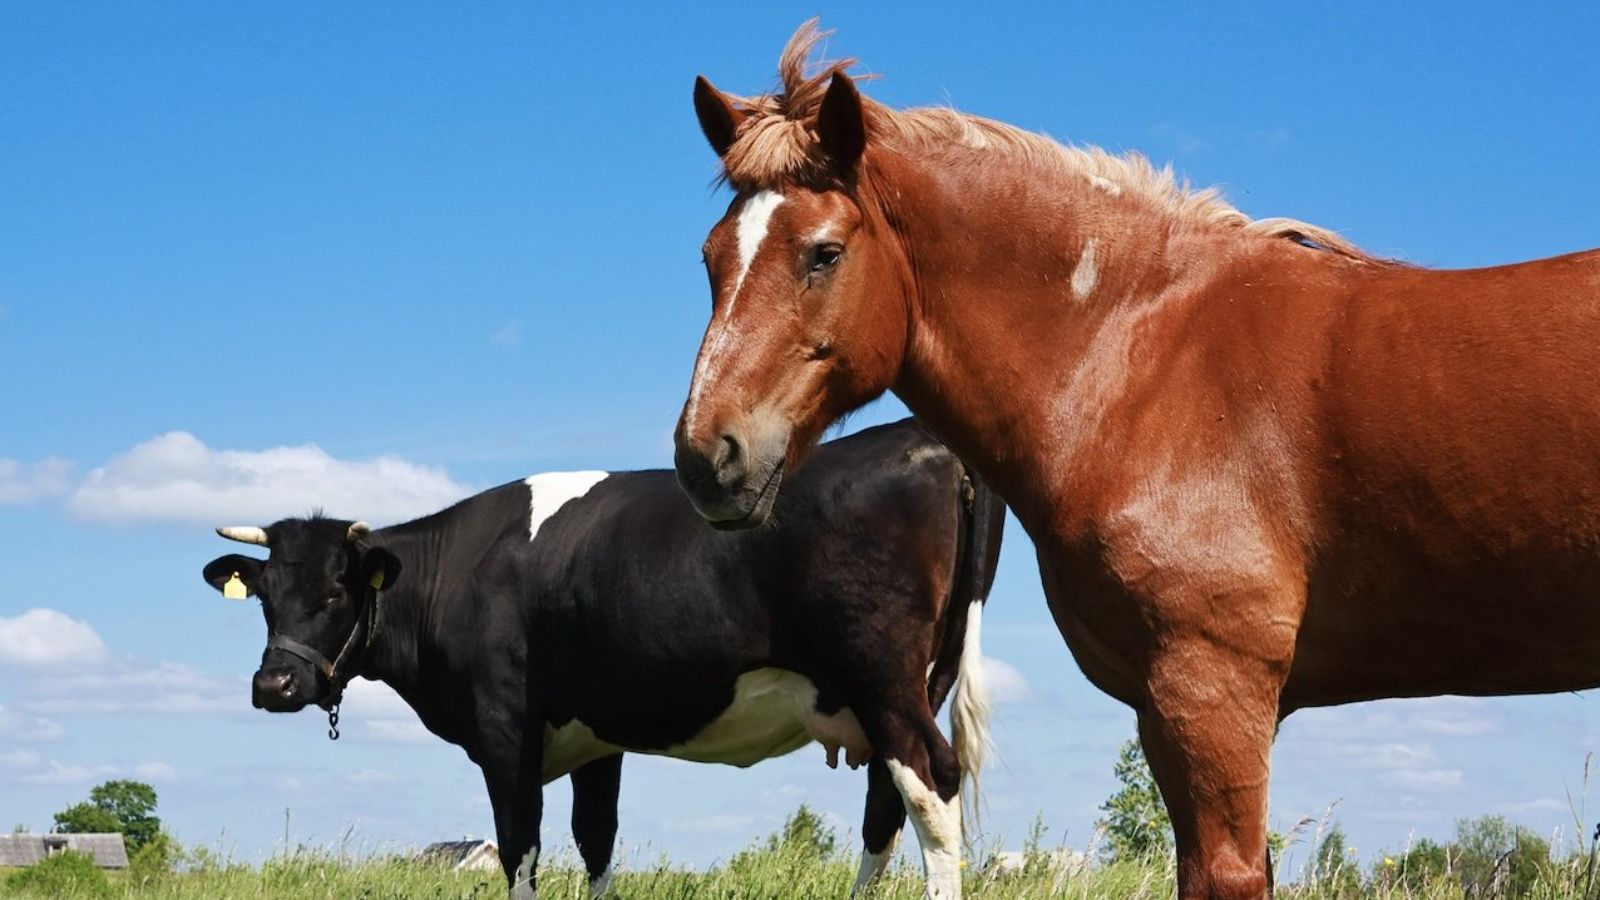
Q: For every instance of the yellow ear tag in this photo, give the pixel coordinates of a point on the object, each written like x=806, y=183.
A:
x=377, y=580
x=233, y=588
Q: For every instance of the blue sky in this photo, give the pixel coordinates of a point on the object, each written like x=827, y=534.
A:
x=379, y=256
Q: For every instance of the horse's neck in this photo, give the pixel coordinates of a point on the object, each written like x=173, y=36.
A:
x=1028, y=293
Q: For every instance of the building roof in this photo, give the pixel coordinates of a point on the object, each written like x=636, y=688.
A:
x=466, y=854
x=107, y=850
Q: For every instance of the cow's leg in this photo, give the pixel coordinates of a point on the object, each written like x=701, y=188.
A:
x=594, y=817
x=881, y=824
x=1207, y=728
x=511, y=772
x=923, y=768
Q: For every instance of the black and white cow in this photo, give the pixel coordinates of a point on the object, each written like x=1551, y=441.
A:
x=547, y=625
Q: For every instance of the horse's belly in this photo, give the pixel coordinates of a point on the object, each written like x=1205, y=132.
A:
x=1495, y=630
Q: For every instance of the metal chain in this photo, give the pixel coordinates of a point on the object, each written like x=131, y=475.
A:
x=333, y=722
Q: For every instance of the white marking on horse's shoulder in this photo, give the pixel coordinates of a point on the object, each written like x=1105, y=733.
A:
x=1085, y=275
x=549, y=491
x=754, y=217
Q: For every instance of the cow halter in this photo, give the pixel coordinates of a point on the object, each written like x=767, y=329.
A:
x=334, y=670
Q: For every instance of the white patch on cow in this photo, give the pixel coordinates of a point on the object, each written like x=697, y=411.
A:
x=938, y=826
x=599, y=887
x=1085, y=275
x=874, y=864
x=569, y=747
x=550, y=491
x=774, y=711
x=522, y=886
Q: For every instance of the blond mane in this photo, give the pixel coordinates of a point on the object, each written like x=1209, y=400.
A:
x=777, y=141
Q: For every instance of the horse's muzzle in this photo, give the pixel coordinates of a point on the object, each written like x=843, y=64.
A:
x=732, y=481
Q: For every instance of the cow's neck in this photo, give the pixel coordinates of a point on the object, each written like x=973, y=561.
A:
x=395, y=654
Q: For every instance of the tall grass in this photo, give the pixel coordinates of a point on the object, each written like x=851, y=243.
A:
x=774, y=869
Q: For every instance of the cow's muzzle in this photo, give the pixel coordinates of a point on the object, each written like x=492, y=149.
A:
x=278, y=690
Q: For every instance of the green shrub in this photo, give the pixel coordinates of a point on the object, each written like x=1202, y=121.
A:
x=66, y=875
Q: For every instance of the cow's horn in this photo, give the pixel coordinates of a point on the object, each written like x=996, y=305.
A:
x=358, y=530
x=245, y=534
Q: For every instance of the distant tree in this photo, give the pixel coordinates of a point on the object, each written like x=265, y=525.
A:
x=20, y=829
x=1497, y=858
x=1136, y=824
x=1425, y=863
x=806, y=833
x=124, y=806
x=1334, y=872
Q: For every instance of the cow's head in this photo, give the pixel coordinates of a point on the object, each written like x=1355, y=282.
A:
x=317, y=587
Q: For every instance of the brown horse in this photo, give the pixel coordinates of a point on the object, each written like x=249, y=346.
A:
x=1263, y=470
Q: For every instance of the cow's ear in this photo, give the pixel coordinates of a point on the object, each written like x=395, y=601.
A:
x=222, y=570
x=379, y=568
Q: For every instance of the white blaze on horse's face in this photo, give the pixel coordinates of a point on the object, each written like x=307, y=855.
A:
x=754, y=218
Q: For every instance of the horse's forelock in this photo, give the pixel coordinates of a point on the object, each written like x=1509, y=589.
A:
x=777, y=141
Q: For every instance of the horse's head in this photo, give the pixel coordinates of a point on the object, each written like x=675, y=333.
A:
x=810, y=291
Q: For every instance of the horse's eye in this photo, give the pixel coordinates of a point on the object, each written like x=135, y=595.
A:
x=824, y=256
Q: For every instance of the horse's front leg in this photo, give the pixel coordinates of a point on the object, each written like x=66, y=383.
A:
x=1207, y=726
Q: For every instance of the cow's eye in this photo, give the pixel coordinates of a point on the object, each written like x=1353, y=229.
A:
x=825, y=256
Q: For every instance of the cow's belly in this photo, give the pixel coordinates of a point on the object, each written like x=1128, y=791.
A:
x=773, y=712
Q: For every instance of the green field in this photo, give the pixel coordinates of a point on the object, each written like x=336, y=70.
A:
x=783, y=866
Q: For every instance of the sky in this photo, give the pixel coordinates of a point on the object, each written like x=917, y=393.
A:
x=377, y=257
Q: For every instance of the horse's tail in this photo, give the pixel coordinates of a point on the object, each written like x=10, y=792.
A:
x=961, y=657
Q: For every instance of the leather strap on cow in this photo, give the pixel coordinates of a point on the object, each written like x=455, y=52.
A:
x=335, y=670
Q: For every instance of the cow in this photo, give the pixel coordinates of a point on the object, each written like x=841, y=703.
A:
x=548, y=625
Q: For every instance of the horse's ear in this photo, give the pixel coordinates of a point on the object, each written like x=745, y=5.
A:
x=841, y=123
x=719, y=120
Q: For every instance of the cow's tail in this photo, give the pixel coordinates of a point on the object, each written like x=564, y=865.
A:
x=984, y=522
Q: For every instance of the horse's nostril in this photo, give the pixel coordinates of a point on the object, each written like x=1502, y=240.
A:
x=732, y=452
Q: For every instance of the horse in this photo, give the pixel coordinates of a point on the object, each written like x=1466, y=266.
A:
x=1263, y=469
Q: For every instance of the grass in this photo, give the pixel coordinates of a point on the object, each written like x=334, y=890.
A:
x=795, y=863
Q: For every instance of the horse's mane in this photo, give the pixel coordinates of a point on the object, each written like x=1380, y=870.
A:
x=777, y=141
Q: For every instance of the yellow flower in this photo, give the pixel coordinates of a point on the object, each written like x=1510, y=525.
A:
x=1388, y=861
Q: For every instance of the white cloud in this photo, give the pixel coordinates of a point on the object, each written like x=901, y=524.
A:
x=175, y=476
x=22, y=483
x=382, y=713
x=1006, y=683
x=19, y=727
x=1423, y=779
x=47, y=638
x=1540, y=805
x=20, y=759
x=133, y=687
x=57, y=772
